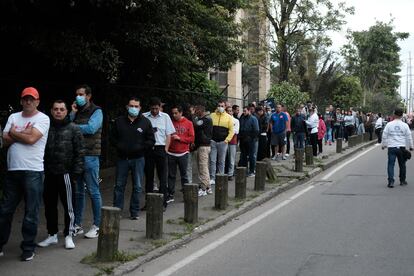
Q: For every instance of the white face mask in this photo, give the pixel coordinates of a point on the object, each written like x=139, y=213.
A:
x=220, y=109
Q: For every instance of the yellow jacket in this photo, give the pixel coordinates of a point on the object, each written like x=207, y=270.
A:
x=222, y=127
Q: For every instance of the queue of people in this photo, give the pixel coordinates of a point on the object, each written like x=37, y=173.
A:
x=57, y=156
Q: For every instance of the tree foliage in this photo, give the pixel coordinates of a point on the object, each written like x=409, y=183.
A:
x=373, y=56
x=289, y=95
x=152, y=42
x=348, y=92
x=295, y=22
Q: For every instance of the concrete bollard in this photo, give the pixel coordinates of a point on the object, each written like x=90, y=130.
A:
x=299, y=160
x=241, y=173
x=339, y=145
x=191, y=203
x=260, y=178
x=108, y=234
x=221, y=191
x=155, y=214
x=309, y=155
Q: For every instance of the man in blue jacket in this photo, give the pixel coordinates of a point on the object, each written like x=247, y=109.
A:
x=248, y=135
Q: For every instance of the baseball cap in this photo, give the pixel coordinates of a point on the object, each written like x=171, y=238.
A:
x=30, y=91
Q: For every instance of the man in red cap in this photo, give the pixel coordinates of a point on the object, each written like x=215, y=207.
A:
x=25, y=134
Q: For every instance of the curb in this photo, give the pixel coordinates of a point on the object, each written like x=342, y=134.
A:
x=227, y=217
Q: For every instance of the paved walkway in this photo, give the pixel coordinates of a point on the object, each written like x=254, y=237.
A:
x=55, y=260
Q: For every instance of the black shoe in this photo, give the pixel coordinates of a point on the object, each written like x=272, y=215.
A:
x=136, y=217
x=390, y=185
x=27, y=256
x=144, y=208
x=403, y=183
x=231, y=178
x=165, y=206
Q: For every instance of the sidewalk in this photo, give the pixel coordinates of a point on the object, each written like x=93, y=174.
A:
x=135, y=248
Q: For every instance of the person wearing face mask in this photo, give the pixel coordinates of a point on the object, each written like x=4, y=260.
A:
x=89, y=118
x=223, y=131
x=132, y=135
x=63, y=165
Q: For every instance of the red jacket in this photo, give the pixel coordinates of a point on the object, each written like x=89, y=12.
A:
x=185, y=130
x=321, y=129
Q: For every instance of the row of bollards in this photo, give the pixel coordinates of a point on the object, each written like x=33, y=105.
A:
x=110, y=224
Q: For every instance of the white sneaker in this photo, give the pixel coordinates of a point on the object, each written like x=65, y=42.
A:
x=287, y=155
x=51, y=239
x=93, y=232
x=69, y=242
x=209, y=191
x=212, y=182
x=78, y=230
x=201, y=192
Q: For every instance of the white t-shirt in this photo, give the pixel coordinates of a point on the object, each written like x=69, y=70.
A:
x=27, y=157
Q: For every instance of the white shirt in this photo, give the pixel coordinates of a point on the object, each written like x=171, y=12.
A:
x=313, y=122
x=379, y=122
x=397, y=134
x=236, y=125
x=23, y=156
x=162, y=126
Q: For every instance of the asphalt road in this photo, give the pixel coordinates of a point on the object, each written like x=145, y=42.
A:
x=343, y=222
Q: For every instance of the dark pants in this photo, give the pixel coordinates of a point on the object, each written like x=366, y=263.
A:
x=261, y=151
x=269, y=145
x=59, y=186
x=320, y=145
x=288, y=142
x=156, y=158
x=396, y=153
x=370, y=131
x=314, y=143
x=182, y=163
x=299, y=140
x=18, y=185
x=378, y=132
x=349, y=131
x=136, y=166
x=247, y=154
x=337, y=132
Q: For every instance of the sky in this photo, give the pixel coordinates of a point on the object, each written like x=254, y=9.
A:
x=367, y=12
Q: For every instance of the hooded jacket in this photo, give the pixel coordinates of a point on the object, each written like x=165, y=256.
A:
x=65, y=148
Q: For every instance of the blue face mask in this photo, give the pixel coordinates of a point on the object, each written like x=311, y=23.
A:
x=80, y=100
x=133, y=111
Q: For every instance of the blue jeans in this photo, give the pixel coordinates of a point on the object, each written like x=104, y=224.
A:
x=217, y=158
x=232, y=151
x=89, y=178
x=18, y=185
x=328, y=134
x=136, y=166
x=396, y=153
x=299, y=140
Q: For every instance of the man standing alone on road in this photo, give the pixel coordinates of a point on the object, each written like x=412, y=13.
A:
x=396, y=136
x=133, y=136
x=26, y=133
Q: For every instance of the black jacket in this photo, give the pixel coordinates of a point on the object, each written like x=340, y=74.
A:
x=64, y=149
x=203, y=131
x=298, y=124
x=132, y=139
